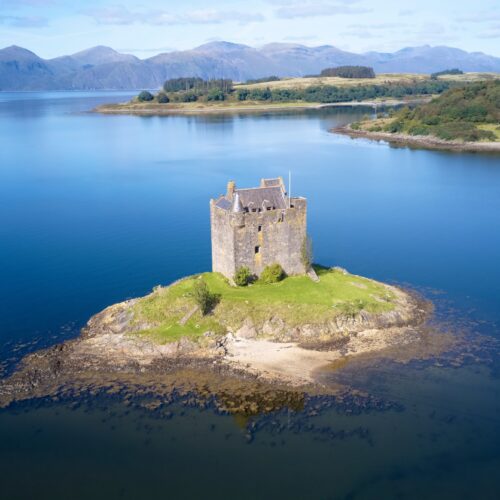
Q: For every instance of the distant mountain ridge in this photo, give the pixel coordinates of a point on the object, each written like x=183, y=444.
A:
x=104, y=68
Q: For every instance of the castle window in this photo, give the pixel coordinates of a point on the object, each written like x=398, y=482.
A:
x=259, y=228
x=257, y=249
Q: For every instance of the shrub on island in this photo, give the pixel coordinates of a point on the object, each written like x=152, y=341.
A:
x=272, y=274
x=243, y=276
x=162, y=98
x=204, y=298
x=145, y=96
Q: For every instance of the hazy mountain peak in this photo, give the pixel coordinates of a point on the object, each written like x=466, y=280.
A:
x=100, y=54
x=220, y=46
x=14, y=52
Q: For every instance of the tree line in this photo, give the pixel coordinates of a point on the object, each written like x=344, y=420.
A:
x=349, y=72
x=335, y=93
x=197, y=89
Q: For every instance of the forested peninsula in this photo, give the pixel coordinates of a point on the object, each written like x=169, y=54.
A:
x=344, y=86
x=465, y=118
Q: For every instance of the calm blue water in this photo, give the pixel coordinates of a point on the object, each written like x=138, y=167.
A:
x=95, y=209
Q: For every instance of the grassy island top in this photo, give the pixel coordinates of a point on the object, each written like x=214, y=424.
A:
x=297, y=300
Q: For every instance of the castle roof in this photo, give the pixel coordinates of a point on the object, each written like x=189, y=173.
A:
x=270, y=195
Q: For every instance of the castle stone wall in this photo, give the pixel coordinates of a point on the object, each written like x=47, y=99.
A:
x=235, y=237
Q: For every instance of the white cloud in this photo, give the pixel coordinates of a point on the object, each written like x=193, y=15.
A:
x=309, y=9
x=120, y=15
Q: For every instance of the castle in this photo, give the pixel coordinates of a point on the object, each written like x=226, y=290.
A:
x=256, y=227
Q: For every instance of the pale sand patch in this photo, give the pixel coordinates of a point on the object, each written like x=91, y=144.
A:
x=290, y=363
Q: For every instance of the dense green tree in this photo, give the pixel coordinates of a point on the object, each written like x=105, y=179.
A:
x=349, y=72
x=216, y=94
x=264, y=80
x=162, y=98
x=145, y=96
x=454, y=71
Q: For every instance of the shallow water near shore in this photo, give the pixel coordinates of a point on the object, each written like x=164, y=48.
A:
x=96, y=209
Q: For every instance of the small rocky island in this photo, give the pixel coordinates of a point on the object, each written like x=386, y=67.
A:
x=263, y=316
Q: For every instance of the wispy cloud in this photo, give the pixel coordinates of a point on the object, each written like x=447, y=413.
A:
x=360, y=33
x=305, y=38
x=378, y=26
x=120, y=15
x=492, y=32
x=24, y=21
x=310, y=9
x=480, y=17
x=26, y=3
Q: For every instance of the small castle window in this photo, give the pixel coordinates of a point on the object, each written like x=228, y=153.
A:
x=257, y=249
x=259, y=228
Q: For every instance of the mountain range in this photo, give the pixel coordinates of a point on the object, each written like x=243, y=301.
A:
x=104, y=68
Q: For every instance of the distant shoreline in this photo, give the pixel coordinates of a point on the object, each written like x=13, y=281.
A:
x=147, y=109
x=420, y=141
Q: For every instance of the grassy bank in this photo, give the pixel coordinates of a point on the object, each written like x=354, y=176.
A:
x=380, y=79
x=297, y=300
x=207, y=108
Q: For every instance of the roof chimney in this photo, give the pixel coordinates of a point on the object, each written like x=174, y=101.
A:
x=231, y=186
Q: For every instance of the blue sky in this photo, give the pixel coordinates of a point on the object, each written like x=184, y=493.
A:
x=55, y=27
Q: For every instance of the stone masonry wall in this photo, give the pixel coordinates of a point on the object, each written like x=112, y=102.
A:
x=235, y=237
x=222, y=234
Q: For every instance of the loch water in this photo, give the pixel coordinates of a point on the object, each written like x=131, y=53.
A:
x=96, y=209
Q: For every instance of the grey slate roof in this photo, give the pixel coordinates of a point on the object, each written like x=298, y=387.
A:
x=270, y=196
x=262, y=198
x=223, y=203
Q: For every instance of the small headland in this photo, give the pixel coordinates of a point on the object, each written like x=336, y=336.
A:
x=261, y=337
x=465, y=119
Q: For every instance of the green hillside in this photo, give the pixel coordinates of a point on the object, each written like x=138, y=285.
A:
x=468, y=113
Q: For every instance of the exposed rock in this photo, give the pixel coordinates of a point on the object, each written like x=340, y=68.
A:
x=247, y=331
x=274, y=351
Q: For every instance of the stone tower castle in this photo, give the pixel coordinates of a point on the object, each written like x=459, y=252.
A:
x=256, y=227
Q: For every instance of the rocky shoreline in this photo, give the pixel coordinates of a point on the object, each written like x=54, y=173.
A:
x=250, y=360
x=420, y=141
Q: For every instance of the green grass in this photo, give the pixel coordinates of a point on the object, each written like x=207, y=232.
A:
x=295, y=300
x=491, y=127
